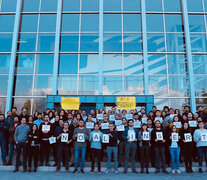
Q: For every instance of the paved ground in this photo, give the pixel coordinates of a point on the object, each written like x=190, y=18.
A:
x=8, y=175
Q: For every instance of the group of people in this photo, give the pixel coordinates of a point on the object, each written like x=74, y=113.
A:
x=160, y=137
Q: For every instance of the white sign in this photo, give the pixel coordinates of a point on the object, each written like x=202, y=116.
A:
x=188, y=137
x=52, y=140
x=94, y=120
x=118, y=122
x=144, y=120
x=81, y=137
x=158, y=119
x=89, y=125
x=172, y=115
x=105, y=138
x=129, y=116
x=112, y=117
x=104, y=125
x=137, y=124
x=45, y=127
x=120, y=128
x=159, y=136
x=64, y=137
x=203, y=137
x=146, y=136
x=96, y=137
x=99, y=116
x=131, y=135
x=177, y=124
x=192, y=123
x=174, y=137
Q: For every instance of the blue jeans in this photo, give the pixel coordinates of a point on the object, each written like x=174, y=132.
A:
x=3, y=150
x=175, y=157
x=160, y=155
x=130, y=147
x=79, y=150
x=109, y=150
x=202, y=151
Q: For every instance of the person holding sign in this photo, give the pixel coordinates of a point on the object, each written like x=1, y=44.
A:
x=80, y=135
x=112, y=148
x=187, y=145
x=131, y=136
x=96, y=139
x=144, y=139
x=177, y=123
x=174, y=145
x=158, y=139
x=200, y=137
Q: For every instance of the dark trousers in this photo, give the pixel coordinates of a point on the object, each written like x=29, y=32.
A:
x=19, y=147
x=130, y=147
x=121, y=151
x=44, y=151
x=144, y=156
x=188, y=149
x=202, y=151
x=63, y=150
x=33, y=153
x=152, y=156
x=160, y=157
x=96, y=154
x=54, y=150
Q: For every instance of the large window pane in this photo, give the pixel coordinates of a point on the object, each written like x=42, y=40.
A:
x=157, y=64
x=156, y=42
x=195, y=5
x=153, y=5
x=132, y=42
x=47, y=23
x=3, y=85
x=89, y=22
x=131, y=5
x=200, y=85
x=112, y=22
x=172, y=6
x=112, y=85
x=27, y=26
x=46, y=42
x=68, y=64
x=44, y=64
x=71, y=5
x=5, y=42
x=69, y=42
x=88, y=85
x=70, y=23
x=177, y=64
x=39, y=104
x=112, y=42
x=27, y=42
x=198, y=42
x=133, y=85
x=6, y=23
x=8, y=5
x=2, y=105
x=67, y=85
x=31, y=5
x=196, y=23
x=4, y=64
x=132, y=22
x=90, y=5
x=48, y=5
x=173, y=23
x=25, y=64
x=20, y=103
x=199, y=64
x=175, y=42
x=201, y=101
x=155, y=23
x=89, y=42
x=42, y=85
x=112, y=5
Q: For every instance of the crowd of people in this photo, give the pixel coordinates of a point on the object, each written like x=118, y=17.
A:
x=162, y=138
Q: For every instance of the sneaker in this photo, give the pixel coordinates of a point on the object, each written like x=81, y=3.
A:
x=29, y=170
x=165, y=172
x=57, y=170
x=116, y=171
x=157, y=171
x=15, y=170
x=92, y=170
x=9, y=163
x=74, y=171
x=134, y=171
x=178, y=171
x=4, y=163
x=200, y=170
x=173, y=171
x=82, y=171
x=125, y=172
x=107, y=171
x=24, y=170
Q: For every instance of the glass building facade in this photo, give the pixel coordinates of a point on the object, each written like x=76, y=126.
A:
x=103, y=47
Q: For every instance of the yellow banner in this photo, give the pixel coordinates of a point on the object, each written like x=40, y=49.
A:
x=70, y=103
x=127, y=103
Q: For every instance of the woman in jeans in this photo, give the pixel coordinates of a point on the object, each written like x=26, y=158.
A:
x=174, y=146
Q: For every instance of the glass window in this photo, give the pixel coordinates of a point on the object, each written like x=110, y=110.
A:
x=47, y=23
x=90, y=5
x=199, y=64
x=157, y=64
x=89, y=42
x=179, y=103
x=132, y=22
x=5, y=42
x=112, y=22
x=173, y=23
x=3, y=85
x=48, y=5
x=70, y=23
x=112, y=42
x=71, y=5
x=46, y=42
x=155, y=23
x=68, y=64
x=200, y=85
x=131, y=5
x=201, y=101
x=196, y=23
x=88, y=85
x=27, y=42
x=133, y=64
x=25, y=64
x=23, y=85
x=31, y=5
x=112, y=5
x=133, y=85
x=39, y=104
x=22, y=102
x=44, y=64
x=6, y=23
x=112, y=85
x=175, y=42
x=42, y=85
x=112, y=64
x=4, y=64
x=8, y=5
x=156, y=42
x=177, y=64
x=27, y=26
x=67, y=85
x=2, y=105
x=198, y=42
x=89, y=22
x=132, y=42
x=69, y=42
x=153, y=5
x=195, y=5
x=205, y=5
x=89, y=64
x=172, y=6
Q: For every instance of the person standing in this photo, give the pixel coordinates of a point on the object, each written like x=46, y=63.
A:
x=39, y=120
x=21, y=139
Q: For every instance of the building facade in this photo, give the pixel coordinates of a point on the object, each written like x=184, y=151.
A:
x=103, y=47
